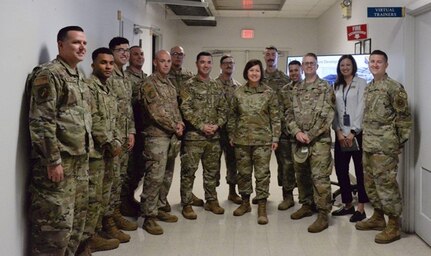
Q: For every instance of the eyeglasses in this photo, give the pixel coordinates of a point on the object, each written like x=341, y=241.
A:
x=228, y=63
x=122, y=50
x=309, y=63
x=179, y=54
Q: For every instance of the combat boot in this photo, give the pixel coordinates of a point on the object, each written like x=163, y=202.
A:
x=196, y=201
x=188, y=212
x=83, y=249
x=262, y=218
x=233, y=196
x=391, y=233
x=320, y=224
x=376, y=222
x=110, y=230
x=122, y=223
x=130, y=207
x=244, y=207
x=213, y=206
x=254, y=200
x=150, y=225
x=98, y=243
x=287, y=201
x=166, y=217
x=304, y=211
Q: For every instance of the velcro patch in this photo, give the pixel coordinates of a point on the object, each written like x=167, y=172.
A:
x=41, y=80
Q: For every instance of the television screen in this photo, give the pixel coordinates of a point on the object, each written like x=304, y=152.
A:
x=328, y=66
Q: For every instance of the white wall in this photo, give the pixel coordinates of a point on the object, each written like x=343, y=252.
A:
x=29, y=29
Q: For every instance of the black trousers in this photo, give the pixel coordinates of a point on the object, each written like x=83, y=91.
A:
x=342, y=160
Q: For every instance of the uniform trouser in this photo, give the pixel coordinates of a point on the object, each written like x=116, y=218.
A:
x=174, y=149
x=135, y=167
x=342, y=161
x=229, y=156
x=58, y=209
x=319, y=163
x=120, y=172
x=381, y=182
x=257, y=157
x=285, y=170
x=155, y=155
x=99, y=192
x=209, y=151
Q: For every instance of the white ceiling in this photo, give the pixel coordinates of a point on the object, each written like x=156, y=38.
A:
x=290, y=8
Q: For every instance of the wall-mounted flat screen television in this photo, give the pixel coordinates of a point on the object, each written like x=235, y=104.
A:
x=328, y=66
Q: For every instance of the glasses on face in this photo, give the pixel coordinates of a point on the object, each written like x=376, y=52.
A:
x=309, y=63
x=228, y=63
x=122, y=50
x=178, y=54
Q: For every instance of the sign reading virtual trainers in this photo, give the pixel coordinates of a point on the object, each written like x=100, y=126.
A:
x=357, y=32
x=386, y=12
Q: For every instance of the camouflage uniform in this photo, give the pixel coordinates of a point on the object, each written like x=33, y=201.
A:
x=158, y=98
x=254, y=124
x=136, y=162
x=104, y=114
x=178, y=78
x=60, y=127
x=386, y=127
x=229, y=87
x=122, y=87
x=201, y=103
x=285, y=172
x=311, y=110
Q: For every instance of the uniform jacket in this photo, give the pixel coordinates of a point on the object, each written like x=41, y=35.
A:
x=179, y=77
x=202, y=102
x=387, y=119
x=311, y=110
x=158, y=98
x=104, y=114
x=60, y=112
x=255, y=117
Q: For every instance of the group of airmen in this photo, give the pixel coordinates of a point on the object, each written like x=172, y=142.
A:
x=93, y=140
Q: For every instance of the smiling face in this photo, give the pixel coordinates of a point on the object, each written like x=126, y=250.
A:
x=163, y=62
x=103, y=66
x=309, y=65
x=137, y=58
x=204, y=65
x=253, y=74
x=121, y=54
x=73, y=48
x=346, y=67
x=295, y=72
x=377, y=65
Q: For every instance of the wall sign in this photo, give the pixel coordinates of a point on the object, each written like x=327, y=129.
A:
x=357, y=32
x=386, y=12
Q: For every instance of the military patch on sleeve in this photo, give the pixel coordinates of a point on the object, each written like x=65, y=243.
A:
x=400, y=101
x=149, y=91
x=41, y=80
x=184, y=94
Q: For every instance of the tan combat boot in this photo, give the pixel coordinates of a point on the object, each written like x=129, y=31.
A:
x=110, y=230
x=287, y=201
x=304, y=211
x=391, y=233
x=244, y=207
x=233, y=196
x=254, y=200
x=166, y=208
x=213, y=206
x=150, y=225
x=122, y=223
x=188, y=212
x=98, y=243
x=376, y=222
x=320, y=224
x=262, y=218
x=166, y=217
x=196, y=201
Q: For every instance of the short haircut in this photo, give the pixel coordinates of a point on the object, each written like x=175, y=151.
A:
x=203, y=54
x=250, y=64
x=379, y=52
x=225, y=57
x=62, y=33
x=101, y=50
x=310, y=54
x=117, y=41
x=271, y=47
x=294, y=62
x=135, y=46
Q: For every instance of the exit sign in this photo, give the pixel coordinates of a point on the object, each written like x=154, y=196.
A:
x=247, y=33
